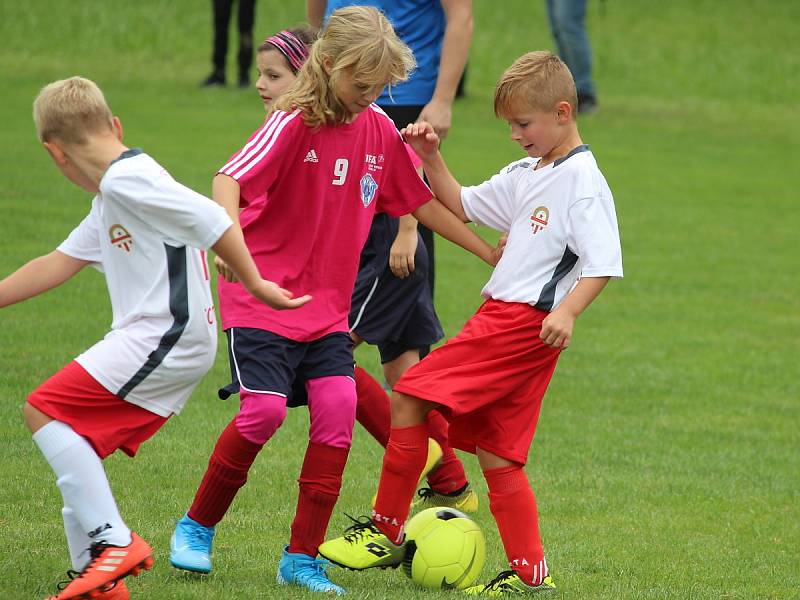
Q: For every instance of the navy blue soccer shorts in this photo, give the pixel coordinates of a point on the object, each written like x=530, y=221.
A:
x=391, y=313
x=263, y=361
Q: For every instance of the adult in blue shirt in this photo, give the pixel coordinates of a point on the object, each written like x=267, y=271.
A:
x=439, y=32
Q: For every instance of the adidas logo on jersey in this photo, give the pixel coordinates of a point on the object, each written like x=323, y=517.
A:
x=311, y=156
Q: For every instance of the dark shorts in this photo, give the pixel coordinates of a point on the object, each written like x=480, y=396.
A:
x=402, y=115
x=265, y=362
x=391, y=313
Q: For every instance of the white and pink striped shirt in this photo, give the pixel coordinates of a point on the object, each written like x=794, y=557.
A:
x=308, y=197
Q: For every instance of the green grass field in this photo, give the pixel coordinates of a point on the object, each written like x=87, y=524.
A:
x=667, y=459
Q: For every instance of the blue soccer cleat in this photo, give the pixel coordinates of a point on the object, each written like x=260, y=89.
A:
x=190, y=546
x=305, y=571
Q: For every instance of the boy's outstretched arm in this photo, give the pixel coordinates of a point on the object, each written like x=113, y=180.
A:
x=423, y=139
x=435, y=216
x=37, y=276
x=557, y=326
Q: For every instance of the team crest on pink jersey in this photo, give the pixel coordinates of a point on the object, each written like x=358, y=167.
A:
x=539, y=218
x=120, y=237
x=368, y=189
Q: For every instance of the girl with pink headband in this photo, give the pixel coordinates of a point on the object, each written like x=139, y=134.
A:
x=278, y=60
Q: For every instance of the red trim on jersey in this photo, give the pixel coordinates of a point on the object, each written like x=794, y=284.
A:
x=490, y=379
x=108, y=423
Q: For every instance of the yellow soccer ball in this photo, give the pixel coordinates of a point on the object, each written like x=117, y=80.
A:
x=445, y=549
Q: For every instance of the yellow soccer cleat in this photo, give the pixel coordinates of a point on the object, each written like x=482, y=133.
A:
x=363, y=546
x=509, y=583
x=465, y=501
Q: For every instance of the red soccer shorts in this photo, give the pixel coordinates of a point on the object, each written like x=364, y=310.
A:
x=108, y=422
x=490, y=379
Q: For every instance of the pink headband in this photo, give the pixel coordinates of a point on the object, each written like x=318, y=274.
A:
x=291, y=47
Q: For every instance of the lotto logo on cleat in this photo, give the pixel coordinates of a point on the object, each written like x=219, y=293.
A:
x=311, y=157
x=377, y=549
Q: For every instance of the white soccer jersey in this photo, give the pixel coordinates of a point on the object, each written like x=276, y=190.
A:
x=144, y=233
x=561, y=224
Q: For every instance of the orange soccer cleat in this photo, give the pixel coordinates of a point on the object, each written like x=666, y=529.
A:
x=113, y=591
x=118, y=591
x=109, y=564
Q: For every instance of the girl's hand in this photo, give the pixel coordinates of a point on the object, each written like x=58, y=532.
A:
x=422, y=138
x=401, y=255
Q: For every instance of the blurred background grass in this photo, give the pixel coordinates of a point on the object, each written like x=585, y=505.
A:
x=666, y=462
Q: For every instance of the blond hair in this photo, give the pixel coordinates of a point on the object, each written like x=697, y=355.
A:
x=69, y=109
x=537, y=80
x=359, y=41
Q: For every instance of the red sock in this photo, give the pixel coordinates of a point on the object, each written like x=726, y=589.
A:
x=513, y=505
x=320, y=481
x=449, y=476
x=372, y=408
x=226, y=473
x=373, y=412
x=402, y=465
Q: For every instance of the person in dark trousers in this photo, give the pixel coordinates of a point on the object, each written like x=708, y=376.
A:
x=245, y=19
x=568, y=25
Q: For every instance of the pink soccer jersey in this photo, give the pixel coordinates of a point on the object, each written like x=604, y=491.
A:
x=308, y=198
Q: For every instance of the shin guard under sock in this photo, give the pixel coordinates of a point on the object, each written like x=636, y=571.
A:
x=402, y=465
x=513, y=505
x=227, y=472
x=449, y=475
x=372, y=407
x=320, y=481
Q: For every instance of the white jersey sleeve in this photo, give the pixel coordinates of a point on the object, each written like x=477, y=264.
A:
x=178, y=212
x=83, y=242
x=492, y=202
x=595, y=231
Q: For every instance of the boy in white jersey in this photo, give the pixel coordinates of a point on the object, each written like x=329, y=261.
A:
x=144, y=232
x=563, y=246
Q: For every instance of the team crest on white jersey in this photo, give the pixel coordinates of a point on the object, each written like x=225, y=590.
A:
x=539, y=218
x=368, y=189
x=120, y=237
x=311, y=156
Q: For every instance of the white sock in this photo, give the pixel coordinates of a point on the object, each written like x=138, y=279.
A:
x=82, y=480
x=77, y=540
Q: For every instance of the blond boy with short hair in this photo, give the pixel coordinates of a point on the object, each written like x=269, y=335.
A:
x=563, y=247
x=147, y=233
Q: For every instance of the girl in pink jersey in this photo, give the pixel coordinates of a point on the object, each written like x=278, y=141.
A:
x=305, y=188
x=391, y=309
